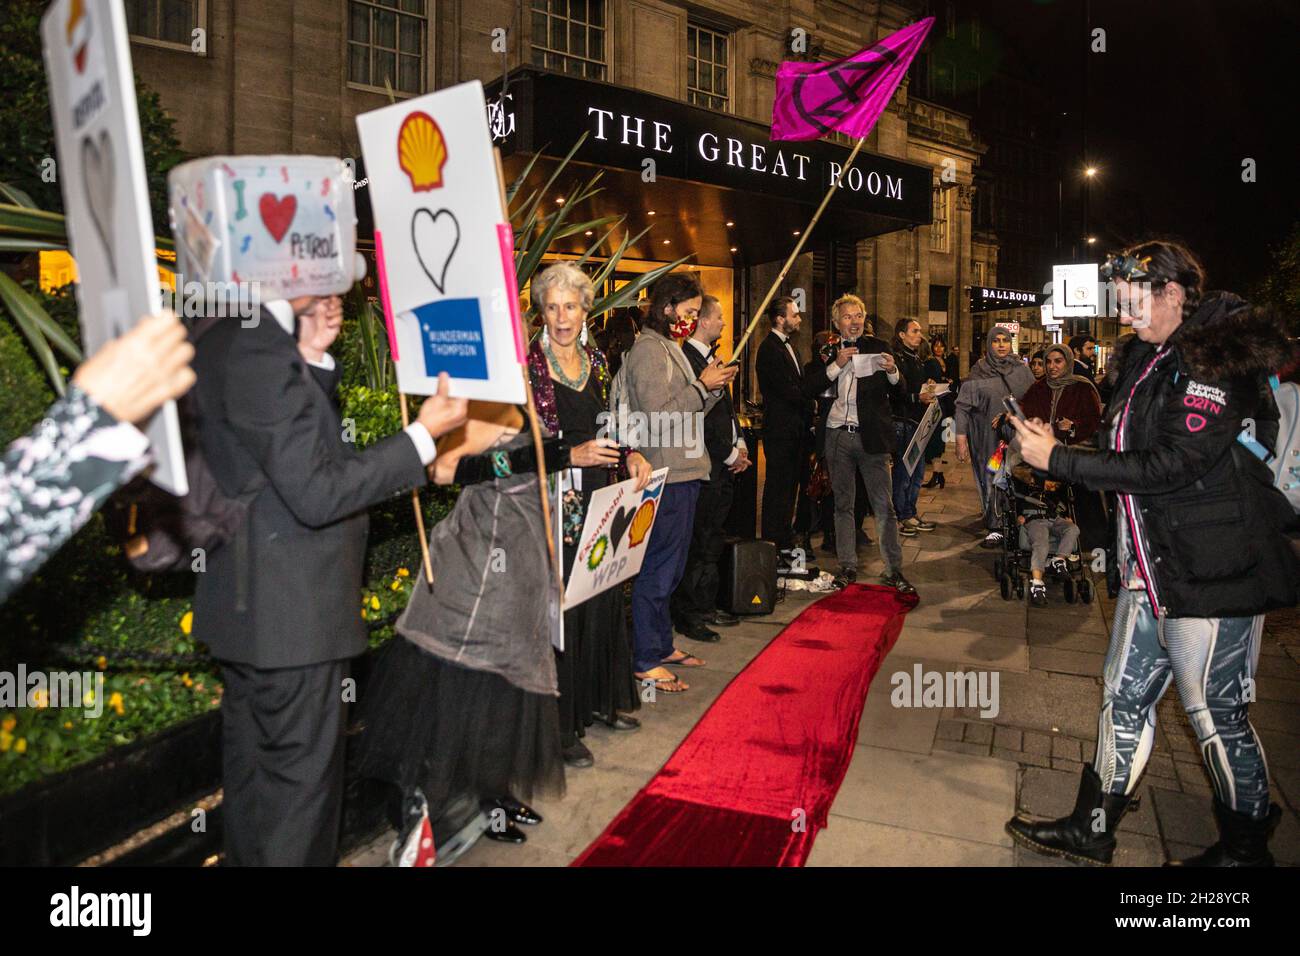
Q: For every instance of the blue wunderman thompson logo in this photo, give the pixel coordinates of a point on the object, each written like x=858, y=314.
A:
x=451, y=331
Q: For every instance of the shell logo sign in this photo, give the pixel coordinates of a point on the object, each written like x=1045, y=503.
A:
x=421, y=151
x=78, y=32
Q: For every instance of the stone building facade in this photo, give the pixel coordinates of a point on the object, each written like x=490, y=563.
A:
x=290, y=76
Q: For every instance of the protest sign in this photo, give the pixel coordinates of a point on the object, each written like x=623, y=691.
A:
x=614, y=537
x=446, y=272
x=105, y=193
x=916, y=447
x=277, y=227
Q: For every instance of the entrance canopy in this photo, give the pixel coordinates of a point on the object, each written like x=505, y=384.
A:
x=709, y=169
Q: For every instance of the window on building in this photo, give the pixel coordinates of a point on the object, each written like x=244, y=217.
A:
x=978, y=269
x=941, y=219
x=708, y=67
x=387, y=41
x=569, y=36
x=166, y=22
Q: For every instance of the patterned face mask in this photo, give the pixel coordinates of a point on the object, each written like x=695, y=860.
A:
x=683, y=327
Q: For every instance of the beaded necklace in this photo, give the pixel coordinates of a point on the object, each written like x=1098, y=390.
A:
x=584, y=366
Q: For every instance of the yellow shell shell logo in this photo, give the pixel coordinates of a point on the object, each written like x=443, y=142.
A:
x=641, y=521
x=421, y=151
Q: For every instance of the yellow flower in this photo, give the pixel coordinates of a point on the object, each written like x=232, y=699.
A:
x=101, y=662
x=116, y=703
x=6, y=741
x=40, y=699
x=403, y=573
x=21, y=745
x=374, y=601
x=363, y=614
x=187, y=623
x=397, y=585
x=187, y=680
x=67, y=725
x=8, y=724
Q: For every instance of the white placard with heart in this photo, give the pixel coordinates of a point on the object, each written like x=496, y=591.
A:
x=105, y=191
x=432, y=185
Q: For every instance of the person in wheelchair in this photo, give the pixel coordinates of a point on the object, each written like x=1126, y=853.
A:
x=1046, y=520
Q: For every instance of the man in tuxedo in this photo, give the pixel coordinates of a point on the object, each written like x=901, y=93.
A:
x=694, y=602
x=278, y=604
x=787, y=417
x=859, y=440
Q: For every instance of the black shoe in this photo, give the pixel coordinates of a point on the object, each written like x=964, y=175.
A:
x=906, y=530
x=1243, y=840
x=577, y=755
x=721, y=619
x=509, y=833
x=1076, y=837
x=698, y=632
x=1038, y=594
x=992, y=541
x=620, y=722
x=516, y=810
x=845, y=577
x=936, y=481
x=895, y=579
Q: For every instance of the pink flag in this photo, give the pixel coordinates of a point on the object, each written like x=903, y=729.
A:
x=848, y=95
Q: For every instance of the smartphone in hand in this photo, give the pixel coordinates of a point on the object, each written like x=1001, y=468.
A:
x=1013, y=407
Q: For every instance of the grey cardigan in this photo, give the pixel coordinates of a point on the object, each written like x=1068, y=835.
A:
x=661, y=385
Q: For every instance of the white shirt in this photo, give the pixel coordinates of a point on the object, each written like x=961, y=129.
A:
x=282, y=311
x=737, y=440
x=844, y=410
x=785, y=339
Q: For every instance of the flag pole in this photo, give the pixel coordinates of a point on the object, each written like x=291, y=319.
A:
x=798, y=247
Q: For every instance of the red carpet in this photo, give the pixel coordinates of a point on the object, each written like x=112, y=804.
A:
x=777, y=740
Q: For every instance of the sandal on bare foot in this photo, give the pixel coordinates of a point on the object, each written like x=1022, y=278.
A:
x=685, y=660
x=665, y=680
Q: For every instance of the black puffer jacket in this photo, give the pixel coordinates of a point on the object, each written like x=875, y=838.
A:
x=1206, y=521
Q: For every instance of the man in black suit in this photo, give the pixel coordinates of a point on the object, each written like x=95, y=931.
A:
x=857, y=432
x=278, y=604
x=787, y=416
x=695, y=601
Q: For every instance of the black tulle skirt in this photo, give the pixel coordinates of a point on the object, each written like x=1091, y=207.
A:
x=594, y=672
x=452, y=731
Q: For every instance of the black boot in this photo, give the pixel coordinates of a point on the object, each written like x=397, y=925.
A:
x=1074, y=837
x=1243, y=840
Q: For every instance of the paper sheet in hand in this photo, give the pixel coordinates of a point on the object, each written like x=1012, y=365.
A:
x=916, y=447
x=105, y=193
x=864, y=365
x=614, y=538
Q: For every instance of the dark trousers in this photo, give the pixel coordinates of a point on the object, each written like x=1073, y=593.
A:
x=697, y=594
x=661, y=572
x=282, y=763
x=786, y=472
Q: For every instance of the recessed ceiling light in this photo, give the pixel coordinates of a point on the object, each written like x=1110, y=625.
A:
x=666, y=241
x=730, y=223
x=733, y=248
x=650, y=213
x=588, y=233
x=796, y=232
x=560, y=201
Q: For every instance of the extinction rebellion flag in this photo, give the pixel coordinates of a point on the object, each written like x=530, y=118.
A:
x=847, y=95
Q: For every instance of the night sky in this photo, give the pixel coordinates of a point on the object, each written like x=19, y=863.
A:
x=1185, y=91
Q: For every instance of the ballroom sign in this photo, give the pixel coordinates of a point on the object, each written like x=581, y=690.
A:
x=985, y=299
x=625, y=128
